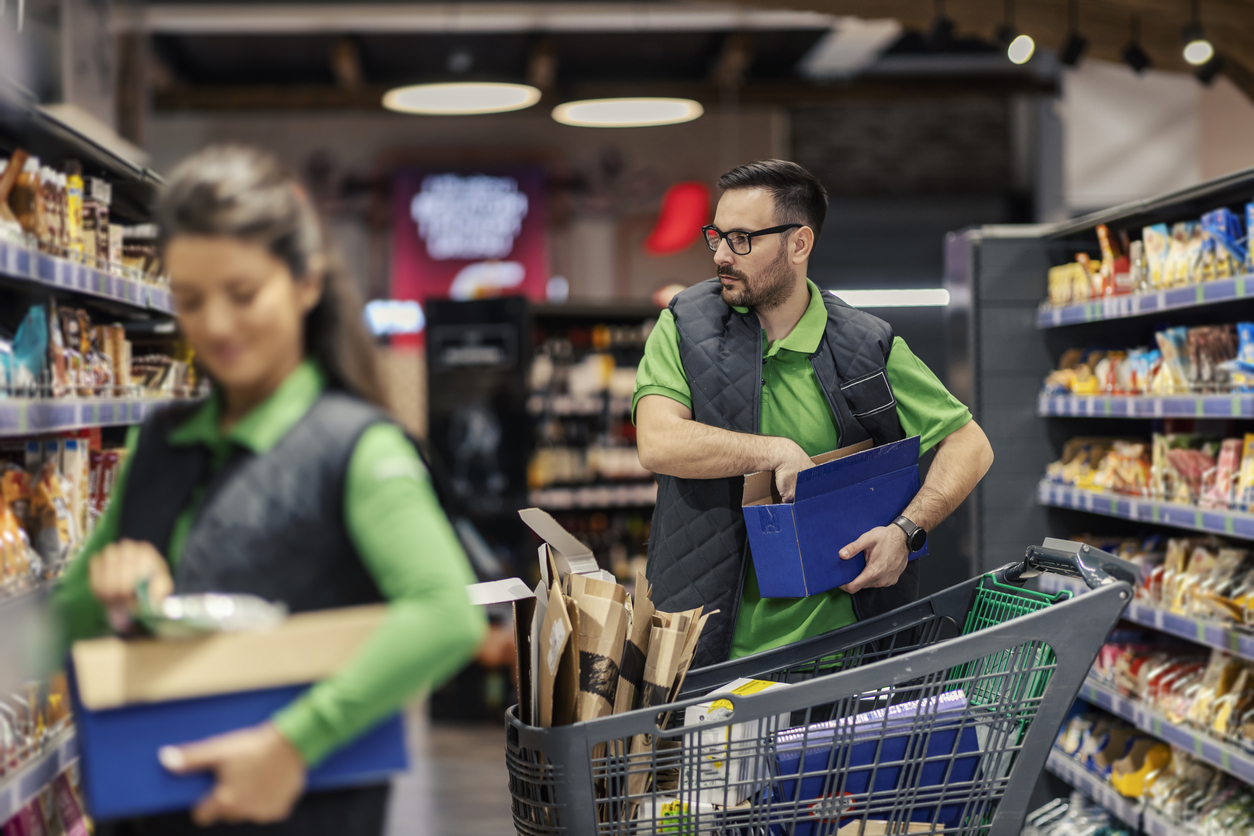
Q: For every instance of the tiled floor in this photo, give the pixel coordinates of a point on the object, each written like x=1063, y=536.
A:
x=457, y=786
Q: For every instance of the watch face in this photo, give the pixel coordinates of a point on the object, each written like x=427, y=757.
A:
x=918, y=539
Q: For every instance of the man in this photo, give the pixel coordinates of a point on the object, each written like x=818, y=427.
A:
x=756, y=370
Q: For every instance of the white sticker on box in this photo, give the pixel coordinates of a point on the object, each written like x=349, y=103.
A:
x=557, y=641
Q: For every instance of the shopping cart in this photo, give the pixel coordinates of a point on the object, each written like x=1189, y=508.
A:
x=934, y=718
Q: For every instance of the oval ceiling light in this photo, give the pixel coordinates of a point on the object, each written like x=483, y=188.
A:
x=1021, y=49
x=463, y=98
x=1199, y=51
x=627, y=113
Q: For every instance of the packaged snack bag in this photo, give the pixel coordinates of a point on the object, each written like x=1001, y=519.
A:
x=1245, y=483
x=1222, y=485
x=1172, y=378
x=51, y=529
x=1155, y=239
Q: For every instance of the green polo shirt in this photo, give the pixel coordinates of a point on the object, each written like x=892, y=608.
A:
x=794, y=406
x=398, y=530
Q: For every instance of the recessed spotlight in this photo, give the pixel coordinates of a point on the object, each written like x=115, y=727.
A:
x=468, y=98
x=627, y=113
x=1021, y=49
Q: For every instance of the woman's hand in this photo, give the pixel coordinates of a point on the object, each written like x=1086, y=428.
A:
x=118, y=570
x=260, y=775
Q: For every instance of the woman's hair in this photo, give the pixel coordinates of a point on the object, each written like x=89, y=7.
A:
x=245, y=193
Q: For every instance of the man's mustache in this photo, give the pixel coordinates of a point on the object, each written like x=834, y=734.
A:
x=732, y=274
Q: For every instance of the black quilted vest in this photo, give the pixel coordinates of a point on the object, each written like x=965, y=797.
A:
x=271, y=524
x=698, y=549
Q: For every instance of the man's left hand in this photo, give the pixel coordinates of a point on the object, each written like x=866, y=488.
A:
x=886, y=556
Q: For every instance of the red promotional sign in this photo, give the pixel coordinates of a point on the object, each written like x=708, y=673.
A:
x=469, y=234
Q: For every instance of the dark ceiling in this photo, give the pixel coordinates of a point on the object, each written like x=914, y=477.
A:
x=231, y=59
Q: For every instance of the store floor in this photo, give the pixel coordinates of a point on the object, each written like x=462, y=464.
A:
x=457, y=784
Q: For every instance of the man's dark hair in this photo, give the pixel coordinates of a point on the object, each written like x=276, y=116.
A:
x=799, y=196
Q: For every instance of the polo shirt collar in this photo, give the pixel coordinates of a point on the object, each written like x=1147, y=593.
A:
x=807, y=334
x=266, y=424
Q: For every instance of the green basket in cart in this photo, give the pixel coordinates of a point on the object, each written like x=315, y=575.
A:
x=1012, y=675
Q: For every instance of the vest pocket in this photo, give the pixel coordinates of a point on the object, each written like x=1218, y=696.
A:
x=869, y=395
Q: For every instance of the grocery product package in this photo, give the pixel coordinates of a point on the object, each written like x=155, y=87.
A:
x=873, y=747
x=726, y=764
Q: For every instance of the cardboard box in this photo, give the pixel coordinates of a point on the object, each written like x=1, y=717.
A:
x=796, y=546
x=728, y=763
x=916, y=747
x=133, y=697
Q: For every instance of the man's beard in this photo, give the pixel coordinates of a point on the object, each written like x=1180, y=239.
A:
x=767, y=291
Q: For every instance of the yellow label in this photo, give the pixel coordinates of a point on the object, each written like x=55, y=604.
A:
x=753, y=687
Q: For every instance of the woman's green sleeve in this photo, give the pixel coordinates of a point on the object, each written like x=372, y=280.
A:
x=431, y=631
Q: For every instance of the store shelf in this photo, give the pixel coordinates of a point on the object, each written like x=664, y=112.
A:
x=1154, y=823
x=25, y=265
x=571, y=405
x=1131, y=406
x=22, y=416
x=1201, y=631
x=598, y=497
x=1140, y=304
x=1210, y=520
x=1071, y=771
x=20, y=787
x=1220, y=755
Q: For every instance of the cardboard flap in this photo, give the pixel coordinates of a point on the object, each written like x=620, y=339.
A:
x=859, y=467
x=760, y=487
x=498, y=592
x=571, y=555
x=305, y=648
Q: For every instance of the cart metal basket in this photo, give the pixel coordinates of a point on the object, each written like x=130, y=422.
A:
x=934, y=718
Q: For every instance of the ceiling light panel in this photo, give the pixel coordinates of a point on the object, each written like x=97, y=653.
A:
x=627, y=113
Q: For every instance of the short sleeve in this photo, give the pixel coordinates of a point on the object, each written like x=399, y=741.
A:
x=661, y=372
x=924, y=406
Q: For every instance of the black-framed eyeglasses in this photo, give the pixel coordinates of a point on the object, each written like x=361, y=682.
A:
x=741, y=242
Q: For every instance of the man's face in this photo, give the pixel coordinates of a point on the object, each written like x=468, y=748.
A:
x=765, y=277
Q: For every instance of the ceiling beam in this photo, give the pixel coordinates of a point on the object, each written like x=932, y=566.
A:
x=455, y=18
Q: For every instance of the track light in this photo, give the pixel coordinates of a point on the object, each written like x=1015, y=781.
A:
x=1198, y=50
x=1210, y=70
x=1073, y=49
x=1133, y=55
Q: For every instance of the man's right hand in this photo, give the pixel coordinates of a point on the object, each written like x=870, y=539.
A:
x=792, y=460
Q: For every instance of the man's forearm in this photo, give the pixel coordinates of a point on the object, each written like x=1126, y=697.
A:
x=675, y=446
x=961, y=461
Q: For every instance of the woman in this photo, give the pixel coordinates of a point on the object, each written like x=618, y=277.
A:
x=289, y=482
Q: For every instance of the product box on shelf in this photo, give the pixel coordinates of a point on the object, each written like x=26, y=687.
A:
x=796, y=545
x=133, y=697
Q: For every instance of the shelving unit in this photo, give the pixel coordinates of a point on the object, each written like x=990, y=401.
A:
x=1139, y=509
x=1005, y=342
x=27, y=274
x=1141, y=304
x=1219, y=754
x=23, y=785
x=600, y=497
x=1200, y=631
x=1130, y=406
x=20, y=264
x=1072, y=772
x=21, y=416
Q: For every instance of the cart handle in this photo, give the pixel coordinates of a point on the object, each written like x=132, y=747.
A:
x=1093, y=566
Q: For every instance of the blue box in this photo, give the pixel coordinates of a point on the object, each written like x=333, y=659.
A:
x=846, y=784
x=123, y=779
x=132, y=697
x=796, y=546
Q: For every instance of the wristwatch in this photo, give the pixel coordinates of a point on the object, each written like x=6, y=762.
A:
x=916, y=538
